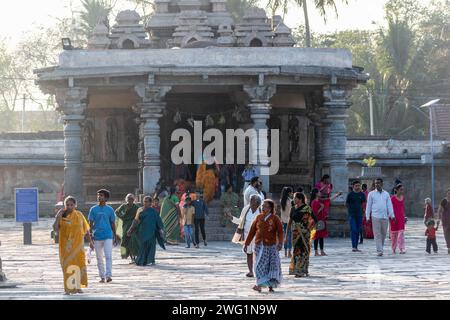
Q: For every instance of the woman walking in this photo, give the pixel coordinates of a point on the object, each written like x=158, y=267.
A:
x=150, y=230
x=73, y=228
x=301, y=223
x=170, y=217
x=129, y=246
x=286, y=206
x=318, y=208
x=398, y=224
x=268, y=231
x=444, y=216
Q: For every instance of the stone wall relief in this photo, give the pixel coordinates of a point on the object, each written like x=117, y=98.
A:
x=294, y=138
x=88, y=141
x=131, y=140
x=111, y=140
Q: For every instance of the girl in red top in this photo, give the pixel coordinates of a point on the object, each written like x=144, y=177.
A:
x=320, y=211
x=398, y=225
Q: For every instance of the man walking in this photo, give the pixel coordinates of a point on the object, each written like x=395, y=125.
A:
x=201, y=211
x=102, y=221
x=354, y=202
x=380, y=205
x=254, y=188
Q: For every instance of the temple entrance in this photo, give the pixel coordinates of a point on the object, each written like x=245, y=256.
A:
x=214, y=111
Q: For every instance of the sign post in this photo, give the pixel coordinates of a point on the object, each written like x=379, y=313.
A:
x=27, y=210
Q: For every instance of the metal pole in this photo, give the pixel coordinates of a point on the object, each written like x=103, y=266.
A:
x=432, y=158
x=372, y=129
x=27, y=237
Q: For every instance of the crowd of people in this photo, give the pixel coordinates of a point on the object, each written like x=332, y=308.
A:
x=300, y=224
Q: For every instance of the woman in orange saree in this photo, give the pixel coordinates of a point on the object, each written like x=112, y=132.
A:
x=206, y=180
x=72, y=227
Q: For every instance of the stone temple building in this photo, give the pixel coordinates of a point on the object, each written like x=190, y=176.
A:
x=123, y=96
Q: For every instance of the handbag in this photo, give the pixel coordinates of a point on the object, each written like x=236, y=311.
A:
x=320, y=226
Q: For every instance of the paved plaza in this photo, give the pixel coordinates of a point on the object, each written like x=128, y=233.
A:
x=218, y=272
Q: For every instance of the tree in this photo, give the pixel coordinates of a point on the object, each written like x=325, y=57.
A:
x=237, y=8
x=320, y=5
x=144, y=7
x=94, y=11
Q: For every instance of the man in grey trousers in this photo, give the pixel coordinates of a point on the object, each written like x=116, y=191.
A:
x=380, y=206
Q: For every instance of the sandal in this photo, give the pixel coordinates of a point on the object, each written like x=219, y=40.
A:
x=256, y=288
x=249, y=275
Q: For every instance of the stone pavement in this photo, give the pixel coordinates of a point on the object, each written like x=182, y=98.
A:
x=218, y=272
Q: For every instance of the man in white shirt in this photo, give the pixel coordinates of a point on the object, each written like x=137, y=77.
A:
x=380, y=206
x=252, y=189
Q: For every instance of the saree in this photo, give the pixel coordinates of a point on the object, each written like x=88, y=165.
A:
x=268, y=266
x=302, y=226
x=170, y=220
x=72, y=230
x=129, y=246
x=206, y=180
x=148, y=233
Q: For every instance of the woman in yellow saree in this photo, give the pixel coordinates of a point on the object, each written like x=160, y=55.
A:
x=72, y=227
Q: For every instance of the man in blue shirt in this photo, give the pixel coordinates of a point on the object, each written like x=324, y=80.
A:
x=102, y=221
x=355, y=200
x=201, y=211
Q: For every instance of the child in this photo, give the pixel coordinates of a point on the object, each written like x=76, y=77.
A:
x=431, y=236
x=156, y=205
x=187, y=214
x=428, y=211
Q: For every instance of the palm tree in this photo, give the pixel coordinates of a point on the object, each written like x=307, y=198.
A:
x=94, y=11
x=320, y=5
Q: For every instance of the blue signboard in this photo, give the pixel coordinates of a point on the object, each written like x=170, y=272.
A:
x=27, y=204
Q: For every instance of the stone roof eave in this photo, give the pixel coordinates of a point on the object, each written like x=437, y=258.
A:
x=314, y=72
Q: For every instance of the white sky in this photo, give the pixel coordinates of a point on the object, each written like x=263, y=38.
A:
x=19, y=16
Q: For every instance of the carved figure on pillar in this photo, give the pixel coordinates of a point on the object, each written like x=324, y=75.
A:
x=88, y=141
x=112, y=140
x=294, y=137
x=131, y=140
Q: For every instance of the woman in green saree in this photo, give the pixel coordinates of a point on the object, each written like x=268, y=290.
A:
x=170, y=217
x=129, y=246
x=150, y=230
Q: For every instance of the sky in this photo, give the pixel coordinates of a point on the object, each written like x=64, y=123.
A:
x=19, y=16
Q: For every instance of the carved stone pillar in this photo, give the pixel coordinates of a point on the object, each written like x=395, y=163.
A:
x=334, y=137
x=72, y=104
x=151, y=110
x=260, y=112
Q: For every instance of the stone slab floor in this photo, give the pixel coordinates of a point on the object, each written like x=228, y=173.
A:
x=218, y=271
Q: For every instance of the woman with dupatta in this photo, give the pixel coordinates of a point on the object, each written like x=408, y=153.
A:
x=72, y=227
x=170, y=217
x=301, y=223
x=150, y=230
x=129, y=246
